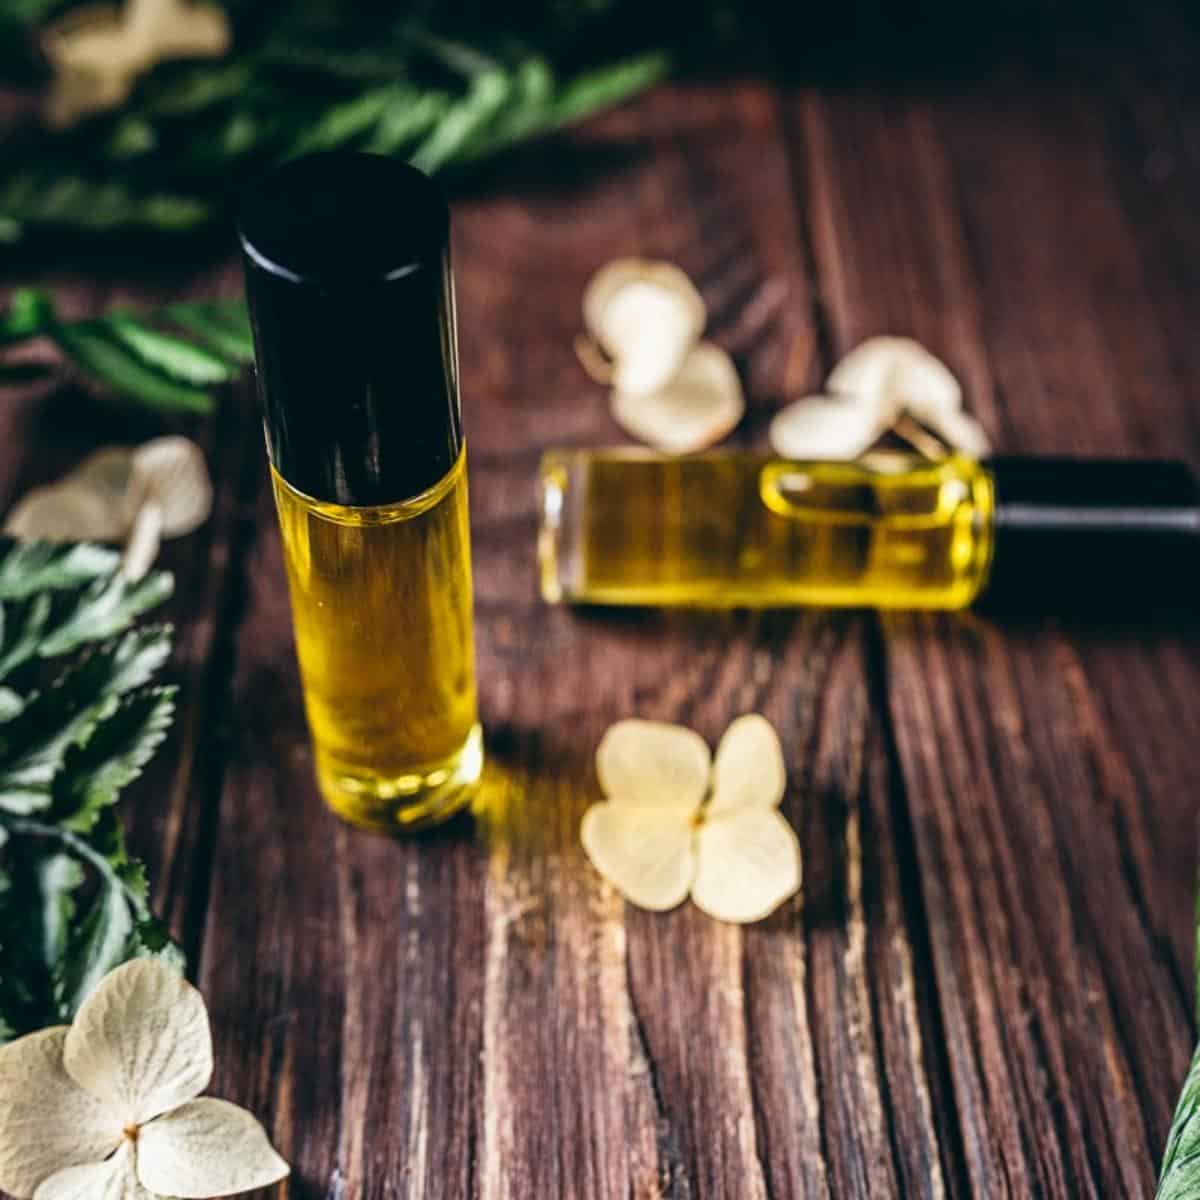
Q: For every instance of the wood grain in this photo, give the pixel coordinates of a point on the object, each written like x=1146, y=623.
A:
x=1053, y=992
x=983, y=989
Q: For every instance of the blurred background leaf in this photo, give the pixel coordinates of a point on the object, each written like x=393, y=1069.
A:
x=444, y=85
x=169, y=361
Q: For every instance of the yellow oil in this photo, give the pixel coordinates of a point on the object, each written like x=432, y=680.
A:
x=748, y=530
x=381, y=603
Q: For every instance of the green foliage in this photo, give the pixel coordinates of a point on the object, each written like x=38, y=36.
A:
x=44, y=191
x=1179, y=1178
x=441, y=86
x=80, y=717
x=136, y=357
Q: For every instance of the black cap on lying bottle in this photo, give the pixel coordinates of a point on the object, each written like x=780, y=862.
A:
x=1093, y=534
x=348, y=279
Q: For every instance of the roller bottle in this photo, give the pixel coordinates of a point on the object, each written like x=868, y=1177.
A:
x=351, y=298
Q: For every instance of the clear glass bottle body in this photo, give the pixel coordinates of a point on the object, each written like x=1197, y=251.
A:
x=382, y=610
x=747, y=530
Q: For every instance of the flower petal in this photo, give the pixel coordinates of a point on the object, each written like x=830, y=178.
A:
x=962, y=432
x=206, y=1147
x=113, y=1179
x=748, y=864
x=696, y=408
x=106, y=472
x=925, y=387
x=647, y=854
x=171, y=472
x=648, y=330
x=748, y=769
x=829, y=427
x=141, y=1041
x=46, y=1121
x=64, y=512
x=866, y=371
x=652, y=764
x=646, y=315
x=902, y=371
x=608, y=280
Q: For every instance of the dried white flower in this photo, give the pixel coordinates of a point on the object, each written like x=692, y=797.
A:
x=670, y=390
x=828, y=427
x=169, y=494
x=98, y=52
x=656, y=839
x=107, y=1107
x=646, y=316
x=121, y=494
x=871, y=390
x=699, y=407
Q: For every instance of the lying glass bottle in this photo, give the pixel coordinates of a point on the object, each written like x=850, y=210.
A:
x=720, y=530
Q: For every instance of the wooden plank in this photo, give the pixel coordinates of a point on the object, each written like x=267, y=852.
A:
x=744, y=251
x=996, y=239
x=983, y=988
x=490, y=1002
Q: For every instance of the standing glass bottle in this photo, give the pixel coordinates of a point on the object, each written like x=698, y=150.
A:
x=348, y=279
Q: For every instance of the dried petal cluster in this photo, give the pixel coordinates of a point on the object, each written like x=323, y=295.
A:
x=108, y=1106
x=679, y=394
x=677, y=821
x=98, y=52
x=884, y=384
x=138, y=496
x=671, y=390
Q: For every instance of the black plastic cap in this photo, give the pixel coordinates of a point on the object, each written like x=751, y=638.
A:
x=1094, y=535
x=347, y=261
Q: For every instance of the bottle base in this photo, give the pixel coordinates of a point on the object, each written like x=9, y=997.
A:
x=404, y=803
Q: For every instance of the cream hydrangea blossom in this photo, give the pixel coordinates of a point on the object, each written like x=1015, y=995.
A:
x=97, y=51
x=883, y=383
x=644, y=320
x=646, y=315
x=107, y=1108
x=136, y=495
x=676, y=821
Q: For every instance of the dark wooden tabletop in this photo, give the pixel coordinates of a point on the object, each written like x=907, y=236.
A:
x=984, y=988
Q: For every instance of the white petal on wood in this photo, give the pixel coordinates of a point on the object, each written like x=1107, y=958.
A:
x=114, y=1179
x=748, y=864
x=145, y=537
x=748, y=768
x=903, y=372
x=170, y=472
x=649, y=332
x=86, y=504
x=106, y=472
x=926, y=389
x=828, y=427
x=866, y=370
x=647, y=854
x=651, y=764
x=962, y=432
x=141, y=1041
x=605, y=283
x=46, y=1120
x=204, y=1148
x=619, y=274
x=647, y=316
x=700, y=406
x=64, y=512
